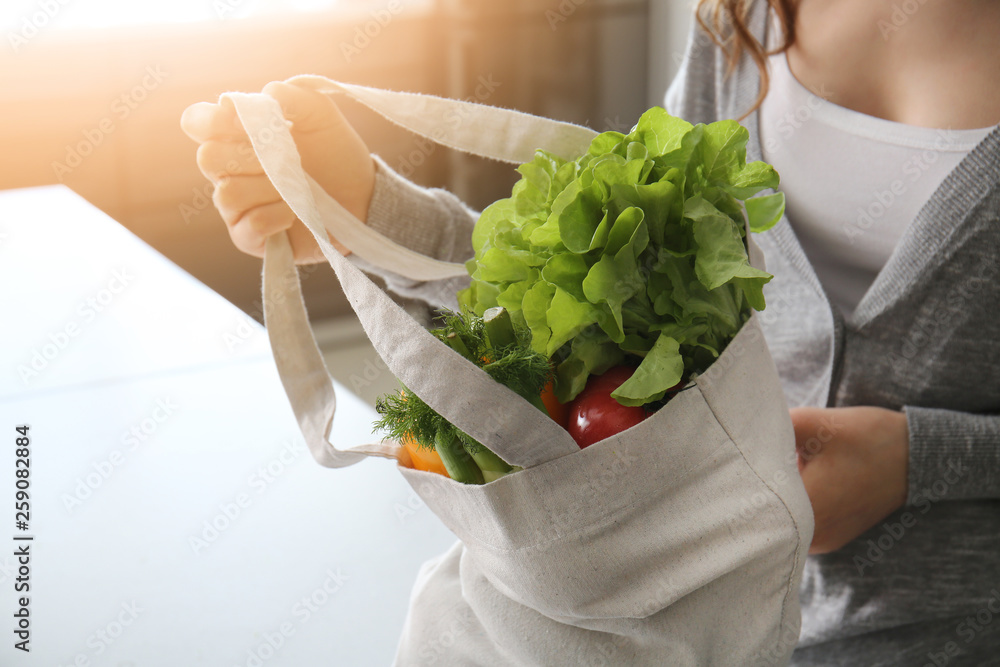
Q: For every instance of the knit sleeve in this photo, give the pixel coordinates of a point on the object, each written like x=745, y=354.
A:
x=688, y=95
x=430, y=221
x=953, y=455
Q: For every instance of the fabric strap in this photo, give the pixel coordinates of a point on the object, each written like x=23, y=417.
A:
x=455, y=388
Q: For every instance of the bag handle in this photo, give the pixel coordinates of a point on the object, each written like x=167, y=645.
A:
x=490, y=132
x=407, y=348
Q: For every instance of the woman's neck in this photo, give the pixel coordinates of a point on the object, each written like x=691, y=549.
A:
x=932, y=63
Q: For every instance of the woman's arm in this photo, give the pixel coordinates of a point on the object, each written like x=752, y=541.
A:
x=430, y=221
x=952, y=456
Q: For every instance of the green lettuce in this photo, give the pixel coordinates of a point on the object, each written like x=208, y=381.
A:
x=635, y=250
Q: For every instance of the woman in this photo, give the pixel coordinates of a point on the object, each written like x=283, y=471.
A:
x=882, y=316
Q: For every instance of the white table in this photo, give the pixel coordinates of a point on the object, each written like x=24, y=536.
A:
x=178, y=518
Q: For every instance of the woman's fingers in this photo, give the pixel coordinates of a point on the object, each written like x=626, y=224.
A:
x=205, y=121
x=250, y=230
x=222, y=159
x=238, y=195
x=308, y=110
x=807, y=421
x=304, y=246
x=331, y=150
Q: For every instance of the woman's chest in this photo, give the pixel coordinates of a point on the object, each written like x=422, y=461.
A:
x=936, y=66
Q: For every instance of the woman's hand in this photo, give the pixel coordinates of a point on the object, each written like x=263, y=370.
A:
x=854, y=464
x=331, y=151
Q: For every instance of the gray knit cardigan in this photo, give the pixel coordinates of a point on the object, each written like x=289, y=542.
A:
x=922, y=587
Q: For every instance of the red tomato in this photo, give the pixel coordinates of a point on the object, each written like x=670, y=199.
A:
x=594, y=415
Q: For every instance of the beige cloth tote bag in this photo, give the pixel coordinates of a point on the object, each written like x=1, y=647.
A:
x=680, y=541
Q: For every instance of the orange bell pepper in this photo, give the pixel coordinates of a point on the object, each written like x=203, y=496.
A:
x=556, y=409
x=423, y=458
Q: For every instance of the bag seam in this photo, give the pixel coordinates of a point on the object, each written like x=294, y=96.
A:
x=798, y=545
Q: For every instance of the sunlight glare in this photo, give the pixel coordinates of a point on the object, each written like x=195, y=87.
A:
x=78, y=14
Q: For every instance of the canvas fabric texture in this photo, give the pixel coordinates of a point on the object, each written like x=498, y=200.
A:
x=926, y=340
x=680, y=541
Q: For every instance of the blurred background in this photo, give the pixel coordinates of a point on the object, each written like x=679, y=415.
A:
x=169, y=478
x=91, y=93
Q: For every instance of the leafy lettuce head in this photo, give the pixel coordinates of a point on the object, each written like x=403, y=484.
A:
x=635, y=249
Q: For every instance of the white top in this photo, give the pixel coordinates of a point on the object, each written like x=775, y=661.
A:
x=853, y=182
